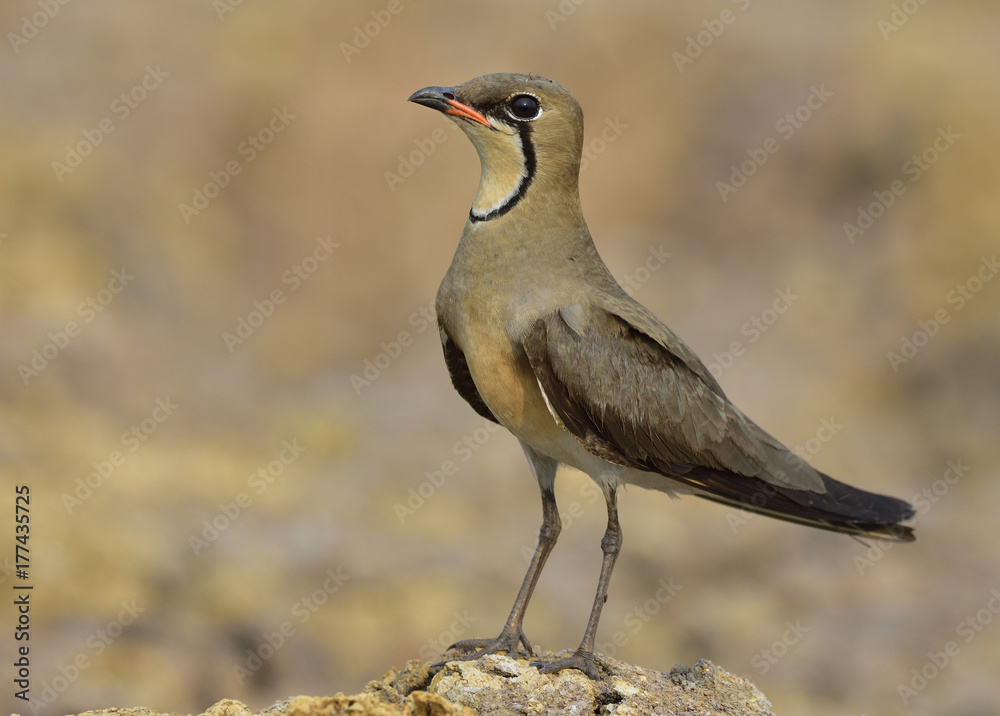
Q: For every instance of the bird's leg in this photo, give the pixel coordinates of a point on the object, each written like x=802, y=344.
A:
x=512, y=634
x=583, y=657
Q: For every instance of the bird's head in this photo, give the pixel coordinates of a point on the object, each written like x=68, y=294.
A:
x=527, y=129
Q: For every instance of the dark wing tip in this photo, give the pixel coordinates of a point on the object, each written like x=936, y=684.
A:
x=841, y=508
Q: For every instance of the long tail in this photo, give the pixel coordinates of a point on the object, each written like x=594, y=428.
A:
x=841, y=508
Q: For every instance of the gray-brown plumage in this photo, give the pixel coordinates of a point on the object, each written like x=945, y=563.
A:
x=539, y=337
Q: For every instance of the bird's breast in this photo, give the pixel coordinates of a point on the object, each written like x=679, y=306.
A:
x=504, y=379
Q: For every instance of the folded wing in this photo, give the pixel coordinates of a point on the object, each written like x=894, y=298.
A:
x=632, y=393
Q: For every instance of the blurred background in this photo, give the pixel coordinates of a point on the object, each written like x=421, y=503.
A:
x=221, y=232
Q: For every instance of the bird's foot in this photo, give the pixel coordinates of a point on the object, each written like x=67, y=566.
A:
x=507, y=642
x=582, y=660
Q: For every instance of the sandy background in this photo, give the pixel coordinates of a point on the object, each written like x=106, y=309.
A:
x=310, y=134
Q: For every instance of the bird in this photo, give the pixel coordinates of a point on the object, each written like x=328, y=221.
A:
x=539, y=337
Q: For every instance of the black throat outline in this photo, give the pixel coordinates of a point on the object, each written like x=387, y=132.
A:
x=528, y=150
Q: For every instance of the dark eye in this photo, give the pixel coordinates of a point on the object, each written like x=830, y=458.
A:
x=524, y=106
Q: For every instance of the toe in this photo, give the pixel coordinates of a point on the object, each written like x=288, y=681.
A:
x=470, y=644
x=581, y=661
x=473, y=649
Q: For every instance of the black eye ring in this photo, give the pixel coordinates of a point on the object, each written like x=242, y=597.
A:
x=524, y=107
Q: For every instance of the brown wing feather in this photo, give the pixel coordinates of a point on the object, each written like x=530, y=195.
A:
x=631, y=401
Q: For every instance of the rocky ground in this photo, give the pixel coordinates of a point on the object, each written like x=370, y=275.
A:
x=501, y=685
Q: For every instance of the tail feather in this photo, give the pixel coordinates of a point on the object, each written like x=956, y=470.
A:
x=841, y=508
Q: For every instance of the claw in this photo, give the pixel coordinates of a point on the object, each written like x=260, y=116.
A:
x=527, y=645
x=470, y=644
x=506, y=642
x=582, y=660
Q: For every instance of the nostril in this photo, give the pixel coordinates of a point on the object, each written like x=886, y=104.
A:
x=449, y=95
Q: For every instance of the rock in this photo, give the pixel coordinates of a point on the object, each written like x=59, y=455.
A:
x=496, y=685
